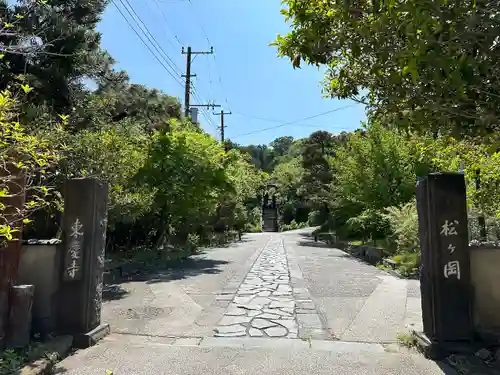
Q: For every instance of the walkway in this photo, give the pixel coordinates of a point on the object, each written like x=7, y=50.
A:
x=272, y=304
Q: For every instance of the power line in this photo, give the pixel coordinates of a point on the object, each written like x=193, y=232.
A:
x=203, y=30
x=157, y=2
x=150, y=36
x=266, y=119
x=296, y=121
x=146, y=44
x=198, y=21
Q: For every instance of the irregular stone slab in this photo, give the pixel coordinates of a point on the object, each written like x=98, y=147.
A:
x=287, y=310
x=250, y=307
x=277, y=331
x=269, y=316
x=236, y=311
x=230, y=320
x=243, y=300
x=265, y=293
x=288, y=324
x=262, y=323
x=253, y=332
x=281, y=304
x=264, y=304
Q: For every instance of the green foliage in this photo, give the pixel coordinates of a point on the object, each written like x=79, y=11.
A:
x=408, y=262
x=66, y=48
x=404, y=225
x=416, y=63
x=369, y=224
x=25, y=162
x=172, y=186
x=293, y=225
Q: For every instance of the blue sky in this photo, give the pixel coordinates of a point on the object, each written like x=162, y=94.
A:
x=244, y=75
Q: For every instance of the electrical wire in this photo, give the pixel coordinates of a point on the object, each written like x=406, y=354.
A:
x=157, y=2
x=150, y=36
x=147, y=45
x=203, y=30
x=296, y=121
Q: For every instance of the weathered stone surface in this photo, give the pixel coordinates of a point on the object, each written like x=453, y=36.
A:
x=269, y=316
x=253, y=332
x=264, y=304
x=305, y=305
x=281, y=304
x=277, y=331
x=236, y=311
x=230, y=320
x=262, y=323
x=230, y=329
x=288, y=324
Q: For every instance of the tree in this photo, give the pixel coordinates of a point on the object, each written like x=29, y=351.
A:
x=418, y=64
x=374, y=170
x=262, y=156
x=24, y=162
x=317, y=152
x=281, y=145
x=55, y=46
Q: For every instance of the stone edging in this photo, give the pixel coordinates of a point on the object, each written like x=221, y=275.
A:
x=372, y=255
x=57, y=349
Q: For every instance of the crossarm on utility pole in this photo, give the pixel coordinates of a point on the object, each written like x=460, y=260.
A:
x=187, y=90
x=222, y=126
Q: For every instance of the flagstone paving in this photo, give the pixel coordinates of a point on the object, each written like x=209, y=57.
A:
x=264, y=305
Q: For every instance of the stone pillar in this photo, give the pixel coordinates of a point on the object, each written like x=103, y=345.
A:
x=445, y=275
x=81, y=279
x=21, y=304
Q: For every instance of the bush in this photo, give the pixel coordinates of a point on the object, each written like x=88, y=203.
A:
x=254, y=224
x=408, y=262
x=23, y=157
x=370, y=224
x=403, y=221
x=293, y=225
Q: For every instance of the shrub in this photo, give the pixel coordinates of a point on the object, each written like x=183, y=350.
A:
x=370, y=224
x=25, y=162
x=293, y=225
x=408, y=262
x=403, y=221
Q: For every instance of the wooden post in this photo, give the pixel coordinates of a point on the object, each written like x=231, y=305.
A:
x=11, y=252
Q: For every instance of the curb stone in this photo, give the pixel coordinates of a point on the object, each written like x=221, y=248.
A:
x=56, y=350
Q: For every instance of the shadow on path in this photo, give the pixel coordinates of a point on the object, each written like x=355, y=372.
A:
x=175, y=270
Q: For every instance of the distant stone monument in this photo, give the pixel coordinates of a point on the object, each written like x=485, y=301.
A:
x=445, y=280
x=84, y=241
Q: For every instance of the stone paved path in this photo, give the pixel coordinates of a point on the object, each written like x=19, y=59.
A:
x=265, y=304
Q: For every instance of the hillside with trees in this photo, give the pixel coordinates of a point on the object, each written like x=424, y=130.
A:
x=172, y=186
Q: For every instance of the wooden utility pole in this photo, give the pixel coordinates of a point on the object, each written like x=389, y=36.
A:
x=187, y=91
x=222, y=126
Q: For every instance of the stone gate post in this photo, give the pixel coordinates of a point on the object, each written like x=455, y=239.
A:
x=445, y=280
x=81, y=278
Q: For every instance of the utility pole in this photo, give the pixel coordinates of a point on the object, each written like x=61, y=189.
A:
x=187, y=91
x=222, y=126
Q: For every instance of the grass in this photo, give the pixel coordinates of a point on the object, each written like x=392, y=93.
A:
x=407, y=340
x=11, y=360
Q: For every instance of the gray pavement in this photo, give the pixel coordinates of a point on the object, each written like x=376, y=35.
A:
x=274, y=303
